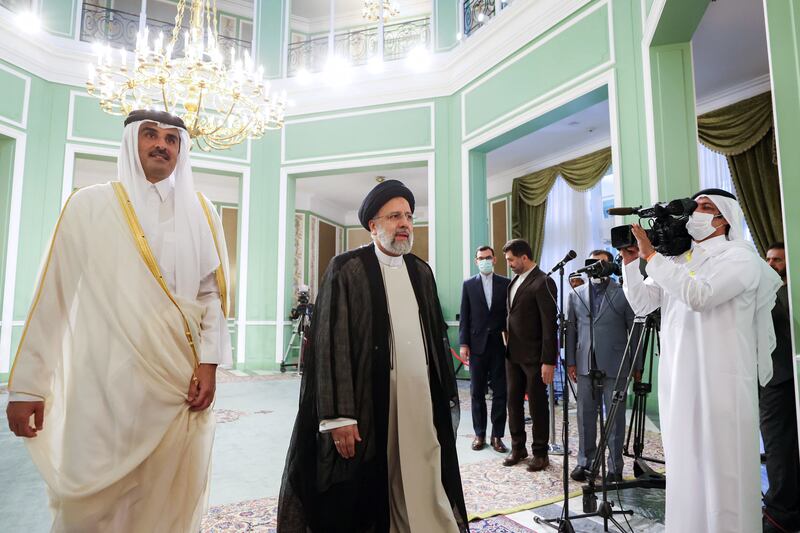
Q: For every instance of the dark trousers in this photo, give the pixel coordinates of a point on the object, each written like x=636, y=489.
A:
x=488, y=367
x=779, y=431
x=522, y=379
x=589, y=400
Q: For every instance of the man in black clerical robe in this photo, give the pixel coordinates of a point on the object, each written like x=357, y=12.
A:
x=348, y=364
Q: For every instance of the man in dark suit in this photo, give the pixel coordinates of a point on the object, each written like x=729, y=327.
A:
x=483, y=321
x=530, y=354
x=778, y=412
x=613, y=321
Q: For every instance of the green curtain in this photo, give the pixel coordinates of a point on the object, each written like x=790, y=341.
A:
x=743, y=133
x=529, y=193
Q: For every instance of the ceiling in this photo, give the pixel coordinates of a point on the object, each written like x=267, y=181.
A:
x=585, y=128
x=729, y=46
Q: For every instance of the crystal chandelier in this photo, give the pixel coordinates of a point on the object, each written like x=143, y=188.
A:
x=221, y=96
x=372, y=9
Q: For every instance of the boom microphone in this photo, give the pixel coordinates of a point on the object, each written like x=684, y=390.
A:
x=567, y=258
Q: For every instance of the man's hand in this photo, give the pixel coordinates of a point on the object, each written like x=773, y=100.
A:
x=202, y=387
x=19, y=418
x=572, y=372
x=464, y=352
x=629, y=254
x=345, y=438
x=547, y=373
x=645, y=246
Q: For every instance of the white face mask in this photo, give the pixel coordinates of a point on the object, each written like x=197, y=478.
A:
x=699, y=225
x=485, y=266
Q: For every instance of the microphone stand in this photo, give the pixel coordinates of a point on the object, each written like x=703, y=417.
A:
x=562, y=524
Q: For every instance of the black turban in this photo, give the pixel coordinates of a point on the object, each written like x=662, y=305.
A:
x=377, y=198
x=163, y=117
x=714, y=192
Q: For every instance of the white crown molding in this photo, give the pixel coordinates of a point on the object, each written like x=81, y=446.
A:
x=52, y=58
x=500, y=183
x=733, y=94
x=299, y=24
x=61, y=60
x=241, y=8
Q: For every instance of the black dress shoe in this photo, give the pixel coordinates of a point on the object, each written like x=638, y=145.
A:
x=578, y=473
x=498, y=446
x=478, y=443
x=538, y=463
x=515, y=457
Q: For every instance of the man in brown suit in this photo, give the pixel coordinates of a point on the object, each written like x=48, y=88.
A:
x=530, y=353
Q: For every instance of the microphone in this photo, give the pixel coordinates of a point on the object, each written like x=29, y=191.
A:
x=600, y=269
x=623, y=210
x=567, y=258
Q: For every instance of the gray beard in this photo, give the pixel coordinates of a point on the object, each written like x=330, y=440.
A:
x=389, y=244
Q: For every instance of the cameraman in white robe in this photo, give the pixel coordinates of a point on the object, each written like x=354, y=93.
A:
x=716, y=343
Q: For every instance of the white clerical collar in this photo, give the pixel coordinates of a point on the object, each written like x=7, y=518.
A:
x=388, y=260
x=163, y=188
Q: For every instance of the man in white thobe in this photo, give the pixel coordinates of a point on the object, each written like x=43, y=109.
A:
x=716, y=344
x=116, y=366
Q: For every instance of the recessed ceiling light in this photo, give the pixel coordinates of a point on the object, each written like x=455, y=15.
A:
x=380, y=179
x=573, y=123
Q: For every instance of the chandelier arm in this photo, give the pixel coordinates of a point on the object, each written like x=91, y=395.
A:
x=178, y=21
x=164, y=97
x=227, y=115
x=216, y=31
x=207, y=10
x=199, y=108
x=238, y=133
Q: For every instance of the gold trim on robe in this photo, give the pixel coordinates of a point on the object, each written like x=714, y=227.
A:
x=149, y=259
x=220, y=273
x=38, y=295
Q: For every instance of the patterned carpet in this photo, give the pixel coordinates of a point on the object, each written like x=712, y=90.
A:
x=490, y=489
x=260, y=516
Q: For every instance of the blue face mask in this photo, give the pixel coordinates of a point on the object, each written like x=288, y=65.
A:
x=485, y=266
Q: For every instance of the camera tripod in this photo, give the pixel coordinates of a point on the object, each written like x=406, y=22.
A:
x=646, y=329
x=297, y=342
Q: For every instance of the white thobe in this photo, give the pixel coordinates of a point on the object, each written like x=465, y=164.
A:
x=112, y=354
x=161, y=198
x=707, y=383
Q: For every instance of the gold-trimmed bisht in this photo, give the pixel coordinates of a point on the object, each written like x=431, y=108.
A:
x=38, y=294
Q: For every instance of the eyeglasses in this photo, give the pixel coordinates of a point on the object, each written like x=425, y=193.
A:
x=397, y=216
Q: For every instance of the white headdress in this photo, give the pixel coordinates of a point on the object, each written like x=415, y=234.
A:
x=195, y=255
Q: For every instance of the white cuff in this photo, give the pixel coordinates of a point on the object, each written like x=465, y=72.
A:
x=333, y=423
x=22, y=397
